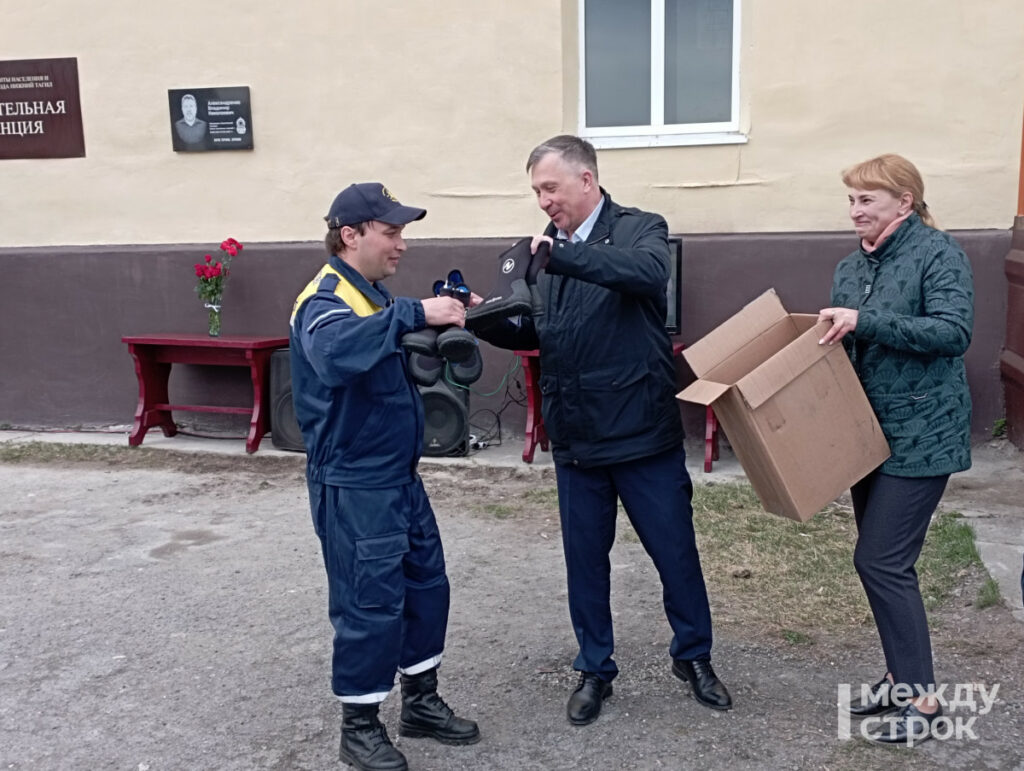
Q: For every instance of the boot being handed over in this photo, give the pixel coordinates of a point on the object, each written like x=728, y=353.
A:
x=511, y=295
x=424, y=713
x=364, y=740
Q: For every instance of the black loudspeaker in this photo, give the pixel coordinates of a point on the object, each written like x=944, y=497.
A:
x=445, y=419
x=284, y=427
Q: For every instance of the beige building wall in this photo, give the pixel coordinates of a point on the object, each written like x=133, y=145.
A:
x=443, y=101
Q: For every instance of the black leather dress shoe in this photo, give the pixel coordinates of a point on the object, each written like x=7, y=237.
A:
x=707, y=688
x=877, y=703
x=585, y=702
x=910, y=726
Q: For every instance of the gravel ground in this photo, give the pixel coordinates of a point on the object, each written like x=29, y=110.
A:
x=174, y=617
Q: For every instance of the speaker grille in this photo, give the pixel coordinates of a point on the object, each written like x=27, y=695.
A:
x=445, y=419
x=445, y=412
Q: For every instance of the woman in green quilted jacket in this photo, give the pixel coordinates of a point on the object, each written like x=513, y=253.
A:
x=903, y=306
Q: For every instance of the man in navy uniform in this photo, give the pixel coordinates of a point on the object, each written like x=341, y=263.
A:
x=362, y=423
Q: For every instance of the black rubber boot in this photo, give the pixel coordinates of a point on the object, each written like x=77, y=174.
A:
x=364, y=740
x=425, y=370
x=467, y=372
x=456, y=344
x=422, y=341
x=424, y=713
x=517, y=270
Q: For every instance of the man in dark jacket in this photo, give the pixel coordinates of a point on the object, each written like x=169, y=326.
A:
x=362, y=424
x=608, y=386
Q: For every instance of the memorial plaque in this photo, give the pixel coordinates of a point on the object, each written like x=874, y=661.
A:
x=40, y=112
x=210, y=119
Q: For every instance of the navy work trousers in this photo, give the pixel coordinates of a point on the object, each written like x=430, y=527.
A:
x=388, y=593
x=655, y=492
x=892, y=515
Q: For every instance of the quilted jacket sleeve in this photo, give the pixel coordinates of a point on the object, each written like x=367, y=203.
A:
x=947, y=288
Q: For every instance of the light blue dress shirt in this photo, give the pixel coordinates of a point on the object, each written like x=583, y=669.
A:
x=583, y=231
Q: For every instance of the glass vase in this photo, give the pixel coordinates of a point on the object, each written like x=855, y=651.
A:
x=213, y=318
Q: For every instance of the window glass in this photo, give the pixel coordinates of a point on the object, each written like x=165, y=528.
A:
x=618, y=67
x=698, y=61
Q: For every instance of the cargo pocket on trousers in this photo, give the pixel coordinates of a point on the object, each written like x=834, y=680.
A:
x=379, y=579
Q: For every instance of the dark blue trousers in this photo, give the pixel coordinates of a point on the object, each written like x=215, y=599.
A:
x=655, y=492
x=892, y=515
x=388, y=593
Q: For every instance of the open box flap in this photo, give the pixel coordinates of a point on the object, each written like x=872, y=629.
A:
x=702, y=392
x=789, y=363
x=718, y=344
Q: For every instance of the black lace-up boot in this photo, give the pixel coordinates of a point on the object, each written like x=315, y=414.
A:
x=364, y=740
x=424, y=713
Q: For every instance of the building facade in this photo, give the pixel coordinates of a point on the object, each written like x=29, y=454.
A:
x=732, y=118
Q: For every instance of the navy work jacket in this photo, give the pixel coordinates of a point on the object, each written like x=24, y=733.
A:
x=360, y=413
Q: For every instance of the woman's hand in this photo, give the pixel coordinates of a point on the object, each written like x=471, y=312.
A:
x=844, y=321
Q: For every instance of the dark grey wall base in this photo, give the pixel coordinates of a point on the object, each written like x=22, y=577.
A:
x=64, y=309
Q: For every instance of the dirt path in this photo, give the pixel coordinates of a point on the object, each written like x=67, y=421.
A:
x=173, y=617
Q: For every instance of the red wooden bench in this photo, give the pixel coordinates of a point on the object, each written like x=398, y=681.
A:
x=154, y=355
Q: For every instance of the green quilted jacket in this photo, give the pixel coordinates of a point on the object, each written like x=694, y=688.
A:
x=915, y=298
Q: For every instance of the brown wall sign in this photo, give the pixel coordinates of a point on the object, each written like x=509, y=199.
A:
x=40, y=113
x=210, y=119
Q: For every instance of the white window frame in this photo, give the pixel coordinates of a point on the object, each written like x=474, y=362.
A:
x=658, y=133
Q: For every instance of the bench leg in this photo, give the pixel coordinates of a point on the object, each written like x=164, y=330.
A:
x=152, y=377
x=535, y=433
x=710, y=439
x=259, y=425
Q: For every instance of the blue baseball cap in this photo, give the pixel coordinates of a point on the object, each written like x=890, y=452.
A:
x=367, y=201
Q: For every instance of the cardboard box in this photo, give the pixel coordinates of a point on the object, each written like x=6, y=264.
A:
x=795, y=412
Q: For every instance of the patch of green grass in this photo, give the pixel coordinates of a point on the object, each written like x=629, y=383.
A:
x=999, y=428
x=798, y=577
x=499, y=510
x=47, y=452
x=948, y=553
x=724, y=497
x=542, y=496
x=125, y=457
x=988, y=595
x=795, y=637
x=787, y=576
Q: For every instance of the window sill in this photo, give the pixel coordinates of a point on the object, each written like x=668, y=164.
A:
x=667, y=140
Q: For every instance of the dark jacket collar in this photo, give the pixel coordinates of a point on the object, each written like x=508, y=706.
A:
x=375, y=293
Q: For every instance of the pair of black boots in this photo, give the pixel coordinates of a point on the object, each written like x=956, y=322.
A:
x=515, y=293
x=364, y=740
x=432, y=349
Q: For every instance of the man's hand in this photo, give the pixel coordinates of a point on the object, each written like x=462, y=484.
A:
x=844, y=321
x=540, y=263
x=474, y=299
x=537, y=241
x=441, y=311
